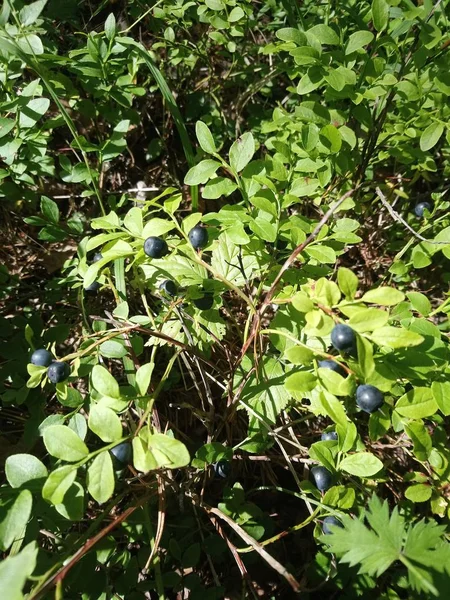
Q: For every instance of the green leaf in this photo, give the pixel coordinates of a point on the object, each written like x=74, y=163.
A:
x=321, y=253
x=431, y=136
x=384, y=296
x=201, y=172
x=320, y=452
x=15, y=570
x=217, y=187
x=380, y=14
x=105, y=423
x=133, y=221
x=110, y=26
x=24, y=469
x=104, y=382
x=362, y=464
x=72, y=507
x=57, y=484
x=420, y=303
x=325, y=35
x=210, y=454
x=242, y=151
x=348, y=282
x=368, y=319
x=13, y=524
x=33, y=111
x=63, y=443
x=299, y=383
x=49, y=209
x=205, y=138
x=30, y=13
x=418, y=403
x=334, y=409
x=373, y=549
x=158, y=450
x=143, y=377
x=393, y=337
x=441, y=393
x=290, y=34
x=419, y=492
x=157, y=227
x=365, y=356
x=264, y=229
x=358, y=40
x=417, y=431
x=100, y=478
x=113, y=349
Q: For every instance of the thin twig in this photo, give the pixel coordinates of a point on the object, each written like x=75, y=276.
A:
x=401, y=220
x=270, y=560
x=289, y=262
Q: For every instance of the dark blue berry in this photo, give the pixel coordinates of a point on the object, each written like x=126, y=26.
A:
x=155, y=247
x=204, y=303
x=369, y=398
x=97, y=256
x=420, y=208
x=329, y=523
x=123, y=452
x=198, y=236
x=329, y=436
x=58, y=372
x=222, y=468
x=333, y=365
x=93, y=287
x=343, y=338
x=41, y=358
x=168, y=287
x=322, y=478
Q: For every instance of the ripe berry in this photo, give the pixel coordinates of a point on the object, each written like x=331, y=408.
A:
x=97, y=256
x=322, y=478
x=329, y=435
x=93, y=287
x=198, y=236
x=222, y=468
x=168, y=287
x=155, y=247
x=58, y=372
x=329, y=523
x=333, y=365
x=343, y=338
x=41, y=358
x=204, y=303
x=419, y=209
x=123, y=452
x=369, y=398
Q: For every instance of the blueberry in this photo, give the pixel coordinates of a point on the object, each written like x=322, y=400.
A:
x=343, y=338
x=369, y=398
x=222, y=468
x=329, y=523
x=123, y=452
x=322, y=478
x=329, y=435
x=169, y=287
x=58, y=372
x=97, y=256
x=333, y=365
x=41, y=358
x=155, y=247
x=419, y=209
x=204, y=303
x=93, y=287
x=198, y=236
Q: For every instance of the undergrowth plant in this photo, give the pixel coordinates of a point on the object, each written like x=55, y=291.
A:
x=237, y=383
